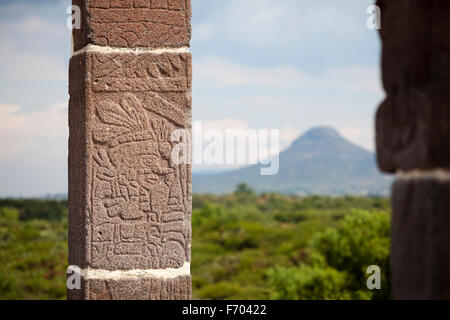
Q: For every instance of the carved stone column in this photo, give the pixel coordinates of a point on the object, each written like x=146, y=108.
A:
x=129, y=202
x=413, y=140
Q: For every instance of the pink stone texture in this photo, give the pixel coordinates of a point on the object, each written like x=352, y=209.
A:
x=130, y=24
x=130, y=205
x=129, y=202
x=134, y=289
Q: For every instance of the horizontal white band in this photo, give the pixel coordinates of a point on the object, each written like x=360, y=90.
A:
x=168, y=273
x=436, y=174
x=102, y=49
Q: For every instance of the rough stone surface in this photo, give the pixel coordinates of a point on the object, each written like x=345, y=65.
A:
x=136, y=289
x=133, y=23
x=420, y=250
x=129, y=204
x=413, y=133
x=413, y=123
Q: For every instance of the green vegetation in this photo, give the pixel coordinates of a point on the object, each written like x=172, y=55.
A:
x=245, y=246
x=270, y=246
x=337, y=265
x=33, y=253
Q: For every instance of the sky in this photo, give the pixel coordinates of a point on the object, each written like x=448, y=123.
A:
x=282, y=64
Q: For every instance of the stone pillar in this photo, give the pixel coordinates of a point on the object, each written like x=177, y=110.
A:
x=413, y=140
x=129, y=202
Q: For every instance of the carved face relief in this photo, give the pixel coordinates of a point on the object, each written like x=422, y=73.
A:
x=141, y=191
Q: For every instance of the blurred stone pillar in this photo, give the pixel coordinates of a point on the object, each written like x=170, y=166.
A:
x=129, y=201
x=413, y=141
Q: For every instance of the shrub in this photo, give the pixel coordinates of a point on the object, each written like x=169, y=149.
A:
x=337, y=269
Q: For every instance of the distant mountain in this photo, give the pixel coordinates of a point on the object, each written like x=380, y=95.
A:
x=319, y=162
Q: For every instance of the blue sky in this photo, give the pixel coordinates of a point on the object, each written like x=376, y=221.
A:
x=284, y=64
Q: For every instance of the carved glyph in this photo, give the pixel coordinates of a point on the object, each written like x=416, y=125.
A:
x=140, y=207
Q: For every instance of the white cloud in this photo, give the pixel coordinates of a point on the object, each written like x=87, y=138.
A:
x=36, y=44
x=273, y=22
x=226, y=123
x=223, y=72
x=29, y=135
x=33, y=32
x=202, y=32
x=27, y=48
x=35, y=25
x=287, y=134
x=269, y=14
x=19, y=65
x=350, y=132
x=361, y=135
x=353, y=78
x=343, y=97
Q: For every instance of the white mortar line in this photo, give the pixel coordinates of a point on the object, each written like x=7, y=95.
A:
x=102, y=49
x=168, y=273
x=436, y=174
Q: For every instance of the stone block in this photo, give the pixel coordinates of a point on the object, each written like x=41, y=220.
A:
x=413, y=123
x=420, y=249
x=129, y=204
x=131, y=24
x=413, y=130
x=133, y=289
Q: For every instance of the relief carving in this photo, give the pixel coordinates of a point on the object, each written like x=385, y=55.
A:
x=134, y=23
x=140, y=217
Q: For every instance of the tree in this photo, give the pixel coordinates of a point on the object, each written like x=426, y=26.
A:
x=243, y=188
x=338, y=267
